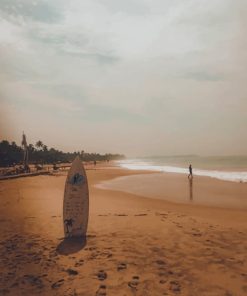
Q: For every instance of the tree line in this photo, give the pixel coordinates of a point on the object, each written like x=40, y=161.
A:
x=11, y=154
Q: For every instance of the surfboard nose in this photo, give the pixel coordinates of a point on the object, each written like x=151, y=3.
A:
x=77, y=159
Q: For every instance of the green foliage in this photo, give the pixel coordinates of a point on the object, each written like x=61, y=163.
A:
x=11, y=154
x=39, y=145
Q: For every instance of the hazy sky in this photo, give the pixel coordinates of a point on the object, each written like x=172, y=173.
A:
x=139, y=77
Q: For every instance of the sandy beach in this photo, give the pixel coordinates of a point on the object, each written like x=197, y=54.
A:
x=135, y=245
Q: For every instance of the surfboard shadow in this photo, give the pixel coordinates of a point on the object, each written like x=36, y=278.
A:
x=71, y=245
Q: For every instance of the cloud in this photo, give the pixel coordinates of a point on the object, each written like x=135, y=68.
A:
x=36, y=10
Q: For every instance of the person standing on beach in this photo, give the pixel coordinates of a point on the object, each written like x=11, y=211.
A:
x=190, y=170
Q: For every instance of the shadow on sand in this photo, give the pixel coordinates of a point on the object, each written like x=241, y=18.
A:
x=191, y=188
x=71, y=245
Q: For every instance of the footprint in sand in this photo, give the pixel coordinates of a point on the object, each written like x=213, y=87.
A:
x=196, y=234
x=161, y=267
x=72, y=271
x=106, y=254
x=163, y=271
x=133, y=284
x=79, y=263
x=90, y=249
x=101, y=291
x=175, y=287
x=101, y=275
x=33, y=280
x=160, y=262
x=91, y=235
x=121, y=266
x=57, y=284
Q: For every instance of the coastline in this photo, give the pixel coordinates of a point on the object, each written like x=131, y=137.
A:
x=177, y=188
x=232, y=174
x=138, y=245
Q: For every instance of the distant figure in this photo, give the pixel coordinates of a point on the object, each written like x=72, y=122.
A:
x=95, y=163
x=27, y=168
x=190, y=170
x=55, y=168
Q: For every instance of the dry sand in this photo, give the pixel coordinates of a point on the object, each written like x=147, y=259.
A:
x=135, y=245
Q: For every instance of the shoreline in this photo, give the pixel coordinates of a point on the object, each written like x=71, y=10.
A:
x=177, y=188
x=238, y=175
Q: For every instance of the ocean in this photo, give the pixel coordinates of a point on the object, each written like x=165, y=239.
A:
x=228, y=168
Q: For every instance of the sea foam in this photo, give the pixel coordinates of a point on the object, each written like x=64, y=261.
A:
x=233, y=176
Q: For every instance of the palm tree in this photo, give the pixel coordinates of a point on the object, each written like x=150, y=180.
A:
x=39, y=144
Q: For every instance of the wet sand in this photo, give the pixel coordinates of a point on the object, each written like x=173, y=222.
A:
x=135, y=245
x=178, y=188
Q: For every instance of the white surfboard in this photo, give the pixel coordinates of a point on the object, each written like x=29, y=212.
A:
x=76, y=201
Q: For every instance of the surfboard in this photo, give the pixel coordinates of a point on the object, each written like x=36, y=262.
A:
x=76, y=201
